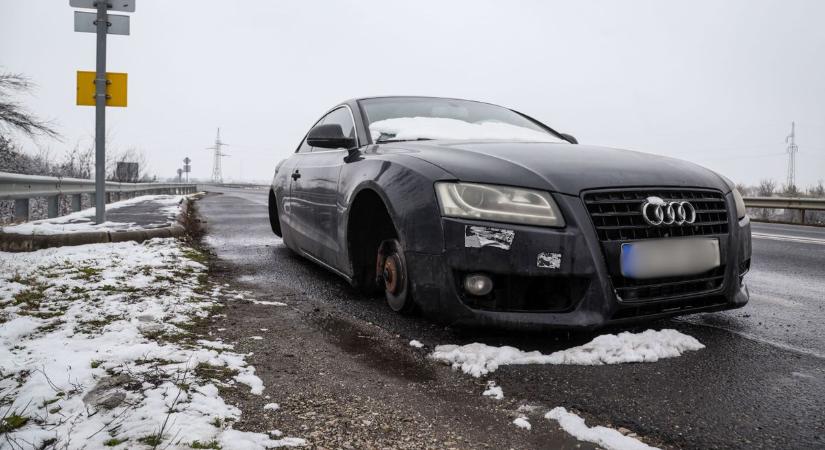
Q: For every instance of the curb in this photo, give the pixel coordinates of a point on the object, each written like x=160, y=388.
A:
x=13, y=242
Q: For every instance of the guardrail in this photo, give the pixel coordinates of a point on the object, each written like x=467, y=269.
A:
x=797, y=203
x=39, y=197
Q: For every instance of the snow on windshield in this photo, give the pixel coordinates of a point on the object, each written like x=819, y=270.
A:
x=410, y=128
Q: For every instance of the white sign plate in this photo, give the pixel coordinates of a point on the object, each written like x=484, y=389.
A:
x=117, y=5
x=85, y=23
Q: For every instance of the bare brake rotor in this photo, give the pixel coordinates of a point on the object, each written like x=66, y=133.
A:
x=393, y=273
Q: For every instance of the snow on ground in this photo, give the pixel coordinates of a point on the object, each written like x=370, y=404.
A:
x=522, y=422
x=605, y=437
x=272, y=406
x=95, y=351
x=416, y=343
x=83, y=221
x=269, y=303
x=493, y=391
x=649, y=346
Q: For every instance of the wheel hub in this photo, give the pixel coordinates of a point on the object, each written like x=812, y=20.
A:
x=390, y=273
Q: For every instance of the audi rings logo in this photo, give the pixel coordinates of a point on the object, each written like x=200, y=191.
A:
x=657, y=212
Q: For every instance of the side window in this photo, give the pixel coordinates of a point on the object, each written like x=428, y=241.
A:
x=341, y=116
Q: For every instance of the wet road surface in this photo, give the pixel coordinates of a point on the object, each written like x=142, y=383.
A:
x=760, y=383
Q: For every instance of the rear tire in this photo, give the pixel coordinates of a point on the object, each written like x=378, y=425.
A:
x=392, y=275
x=274, y=220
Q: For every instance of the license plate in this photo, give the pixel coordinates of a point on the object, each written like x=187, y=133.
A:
x=669, y=257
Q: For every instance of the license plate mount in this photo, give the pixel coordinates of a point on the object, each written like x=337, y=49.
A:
x=660, y=258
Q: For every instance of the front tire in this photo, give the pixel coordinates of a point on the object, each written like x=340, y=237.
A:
x=392, y=275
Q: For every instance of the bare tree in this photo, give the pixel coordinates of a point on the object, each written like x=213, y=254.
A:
x=13, y=115
x=765, y=189
x=818, y=190
x=791, y=191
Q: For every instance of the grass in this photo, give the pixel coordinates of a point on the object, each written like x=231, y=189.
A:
x=96, y=325
x=31, y=297
x=210, y=444
x=195, y=255
x=208, y=371
x=153, y=439
x=49, y=402
x=87, y=273
x=114, y=442
x=51, y=326
x=95, y=364
x=12, y=422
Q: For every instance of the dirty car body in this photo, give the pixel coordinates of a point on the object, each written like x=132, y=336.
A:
x=477, y=214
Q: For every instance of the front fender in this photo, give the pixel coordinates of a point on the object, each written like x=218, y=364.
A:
x=405, y=185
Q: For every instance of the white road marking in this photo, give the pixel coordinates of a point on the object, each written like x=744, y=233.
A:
x=785, y=238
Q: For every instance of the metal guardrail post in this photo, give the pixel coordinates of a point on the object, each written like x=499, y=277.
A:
x=21, y=209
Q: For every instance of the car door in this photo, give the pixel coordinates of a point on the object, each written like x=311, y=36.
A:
x=314, y=193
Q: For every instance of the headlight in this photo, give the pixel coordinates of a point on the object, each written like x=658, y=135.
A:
x=498, y=204
x=741, y=211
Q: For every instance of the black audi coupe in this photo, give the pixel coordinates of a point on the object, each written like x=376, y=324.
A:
x=477, y=214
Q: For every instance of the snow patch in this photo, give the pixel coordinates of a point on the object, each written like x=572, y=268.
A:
x=522, y=422
x=601, y=436
x=493, y=391
x=416, y=343
x=272, y=406
x=478, y=359
x=246, y=440
x=83, y=221
x=79, y=350
x=217, y=345
x=264, y=302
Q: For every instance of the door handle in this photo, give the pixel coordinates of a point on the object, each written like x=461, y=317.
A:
x=296, y=174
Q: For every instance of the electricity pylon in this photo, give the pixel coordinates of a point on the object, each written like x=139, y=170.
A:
x=792, y=149
x=217, y=176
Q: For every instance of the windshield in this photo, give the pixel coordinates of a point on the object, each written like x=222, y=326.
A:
x=416, y=118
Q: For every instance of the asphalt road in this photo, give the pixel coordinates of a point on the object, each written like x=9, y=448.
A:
x=759, y=383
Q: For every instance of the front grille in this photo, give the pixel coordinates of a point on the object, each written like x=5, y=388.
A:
x=617, y=214
x=617, y=217
x=631, y=290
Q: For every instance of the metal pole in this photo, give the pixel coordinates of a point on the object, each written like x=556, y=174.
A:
x=100, y=113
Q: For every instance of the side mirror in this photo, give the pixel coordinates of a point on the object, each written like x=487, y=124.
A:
x=569, y=138
x=329, y=136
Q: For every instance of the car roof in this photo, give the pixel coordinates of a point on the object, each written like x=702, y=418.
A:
x=357, y=99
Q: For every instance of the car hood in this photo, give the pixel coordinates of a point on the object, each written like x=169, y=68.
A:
x=564, y=168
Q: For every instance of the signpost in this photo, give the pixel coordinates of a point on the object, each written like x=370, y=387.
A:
x=101, y=23
x=115, y=88
x=186, y=167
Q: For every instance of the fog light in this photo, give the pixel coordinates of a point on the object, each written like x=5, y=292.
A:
x=478, y=284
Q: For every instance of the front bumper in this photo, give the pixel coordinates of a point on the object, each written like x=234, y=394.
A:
x=577, y=292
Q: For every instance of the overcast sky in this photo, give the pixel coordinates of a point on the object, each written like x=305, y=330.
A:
x=714, y=82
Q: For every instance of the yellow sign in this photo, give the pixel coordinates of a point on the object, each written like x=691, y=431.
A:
x=115, y=88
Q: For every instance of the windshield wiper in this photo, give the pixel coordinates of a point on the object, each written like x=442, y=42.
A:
x=382, y=140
